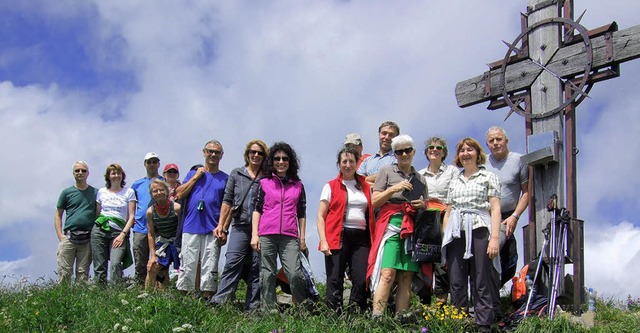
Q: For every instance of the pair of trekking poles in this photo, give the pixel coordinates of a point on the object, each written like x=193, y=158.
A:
x=554, y=240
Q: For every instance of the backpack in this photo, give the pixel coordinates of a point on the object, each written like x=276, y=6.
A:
x=537, y=308
x=519, y=286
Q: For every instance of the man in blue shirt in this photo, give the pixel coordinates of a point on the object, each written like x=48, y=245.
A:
x=140, y=241
x=370, y=167
x=203, y=189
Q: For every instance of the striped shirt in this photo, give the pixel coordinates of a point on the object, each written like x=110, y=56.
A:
x=165, y=226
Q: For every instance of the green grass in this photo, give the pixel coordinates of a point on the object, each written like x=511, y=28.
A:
x=47, y=307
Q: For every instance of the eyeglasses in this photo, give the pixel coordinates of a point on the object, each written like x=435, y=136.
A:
x=80, y=170
x=435, y=147
x=172, y=171
x=213, y=152
x=281, y=158
x=253, y=152
x=401, y=152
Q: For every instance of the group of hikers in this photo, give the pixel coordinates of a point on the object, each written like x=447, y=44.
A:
x=368, y=221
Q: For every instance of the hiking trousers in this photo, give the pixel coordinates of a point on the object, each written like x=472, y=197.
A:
x=287, y=248
x=479, y=268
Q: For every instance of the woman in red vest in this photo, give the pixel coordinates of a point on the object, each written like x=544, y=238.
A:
x=345, y=226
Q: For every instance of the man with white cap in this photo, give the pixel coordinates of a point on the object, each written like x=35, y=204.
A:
x=355, y=140
x=140, y=241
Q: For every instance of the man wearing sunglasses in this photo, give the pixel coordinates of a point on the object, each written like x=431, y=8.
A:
x=514, y=193
x=203, y=191
x=140, y=242
x=370, y=167
x=79, y=202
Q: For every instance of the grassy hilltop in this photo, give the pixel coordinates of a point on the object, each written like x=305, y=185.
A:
x=47, y=307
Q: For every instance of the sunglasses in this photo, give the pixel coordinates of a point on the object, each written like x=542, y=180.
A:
x=435, y=147
x=154, y=161
x=401, y=152
x=213, y=152
x=172, y=171
x=80, y=170
x=253, y=152
x=281, y=158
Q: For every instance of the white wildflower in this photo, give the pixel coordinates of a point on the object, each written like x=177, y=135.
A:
x=128, y=320
x=187, y=326
x=143, y=295
x=116, y=326
x=137, y=308
x=178, y=329
x=124, y=302
x=125, y=328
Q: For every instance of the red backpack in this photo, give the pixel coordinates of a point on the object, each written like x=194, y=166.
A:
x=519, y=287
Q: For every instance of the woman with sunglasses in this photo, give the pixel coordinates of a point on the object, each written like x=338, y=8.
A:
x=438, y=175
x=345, y=226
x=236, y=212
x=116, y=207
x=399, y=191
x=171, y=174
x=472, y=233
x=279, y=224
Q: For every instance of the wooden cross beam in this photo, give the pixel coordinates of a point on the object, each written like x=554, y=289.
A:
x=550, y=69
x=608, y=50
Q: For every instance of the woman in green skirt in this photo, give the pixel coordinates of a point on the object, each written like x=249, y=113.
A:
x=398, y=191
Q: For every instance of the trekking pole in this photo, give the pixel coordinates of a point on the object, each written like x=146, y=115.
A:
x=564, y=221
x=553, y=208
x=545, y=232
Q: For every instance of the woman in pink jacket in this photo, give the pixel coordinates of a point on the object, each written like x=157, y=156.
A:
x=279, y=223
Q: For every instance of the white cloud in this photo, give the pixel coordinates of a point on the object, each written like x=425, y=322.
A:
x=612, y=253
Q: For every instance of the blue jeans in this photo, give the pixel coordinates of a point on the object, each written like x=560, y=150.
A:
x=239, y=254
x=102, y=253
x=287, y=247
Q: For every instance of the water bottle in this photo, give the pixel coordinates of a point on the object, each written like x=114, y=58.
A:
x=529, y=283
x=592, y=300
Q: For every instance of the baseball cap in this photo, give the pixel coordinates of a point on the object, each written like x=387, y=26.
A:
x=171, y=166
x=353, y=138
x=151, y=155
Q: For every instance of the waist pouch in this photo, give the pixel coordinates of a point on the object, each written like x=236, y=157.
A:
x=79, y=236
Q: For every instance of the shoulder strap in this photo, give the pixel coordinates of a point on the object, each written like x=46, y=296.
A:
x=247, y=192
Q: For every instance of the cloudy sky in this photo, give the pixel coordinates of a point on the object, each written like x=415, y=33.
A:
x=108, y=81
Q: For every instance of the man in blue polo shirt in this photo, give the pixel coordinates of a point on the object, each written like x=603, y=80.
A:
x=140, y=242
x=370, y=166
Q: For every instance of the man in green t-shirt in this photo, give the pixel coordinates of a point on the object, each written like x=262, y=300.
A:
x=79, y=202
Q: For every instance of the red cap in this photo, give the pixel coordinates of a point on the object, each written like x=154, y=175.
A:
x=171, y=166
